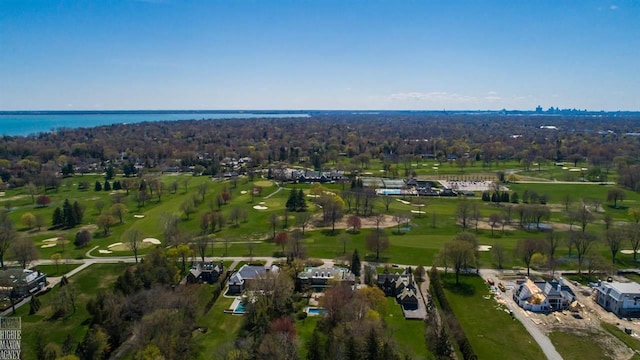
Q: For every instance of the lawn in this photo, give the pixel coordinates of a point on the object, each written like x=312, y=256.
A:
x=409, y=334
x=75, y=324
x=53, y=270
x=577, y=346
x=492, y=332
x=222, y=328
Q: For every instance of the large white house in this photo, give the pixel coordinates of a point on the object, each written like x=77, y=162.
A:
x=622, y=299
x=542, y=296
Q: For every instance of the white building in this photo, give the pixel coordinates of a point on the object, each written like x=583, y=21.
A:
x=622, y=299
x=542, y=296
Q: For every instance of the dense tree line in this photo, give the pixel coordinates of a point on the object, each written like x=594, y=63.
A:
x=342, y=140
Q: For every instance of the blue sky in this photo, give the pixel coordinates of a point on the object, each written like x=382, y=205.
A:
x=319, y=54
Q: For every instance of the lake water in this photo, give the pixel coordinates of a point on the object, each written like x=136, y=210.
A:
x=36, y=122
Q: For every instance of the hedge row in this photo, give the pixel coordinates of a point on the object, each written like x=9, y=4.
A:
x=450, y=318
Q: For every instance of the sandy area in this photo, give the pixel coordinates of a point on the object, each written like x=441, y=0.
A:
x=114, y=244
x=260, y=207
x=152, y=241
x=138, y=216
x=48, y=245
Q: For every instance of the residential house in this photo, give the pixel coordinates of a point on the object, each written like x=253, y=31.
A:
x=22, y=282
x=208, y=272
x=622, y=299
x=542, y=296
x=321, y=277
x=402, y=287
x=246, y=275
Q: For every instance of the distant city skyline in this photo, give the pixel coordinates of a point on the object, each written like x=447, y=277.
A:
x=304, y=54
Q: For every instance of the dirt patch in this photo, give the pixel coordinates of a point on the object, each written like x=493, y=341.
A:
x=367, y=222
x=13, y=198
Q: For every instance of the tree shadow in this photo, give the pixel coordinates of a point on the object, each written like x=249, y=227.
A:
x=329, y=232
x=462, y=289
x=619, y=207
x=381, y=259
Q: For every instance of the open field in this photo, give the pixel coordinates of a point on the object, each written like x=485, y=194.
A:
x=75, y=324
x=476, y=320
x=416, y=241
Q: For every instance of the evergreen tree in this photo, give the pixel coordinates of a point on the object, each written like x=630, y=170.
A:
x=58, y=218
x=78, y=212
x=351, y=350
x=109, y=173
x=117, y=185
x=98, y=186
x=301, y=203
x=315, y=348
x=291, y=201
x=107, y=185
x=34, y=305
x=355, y=263
x=373, y=348
x=514, y=198
x=68, y=215
x=505, y=197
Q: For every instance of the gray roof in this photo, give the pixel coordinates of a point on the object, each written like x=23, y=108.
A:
x=250, y=272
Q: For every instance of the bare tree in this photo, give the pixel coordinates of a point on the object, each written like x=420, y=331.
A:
x=8, y=235
x=526, y=248
x=303, y=219
x=459, y=253
x=499, y=254
x=583, y=243
x=494, y=220
x=23, y=251
x=464, y=213
x=133, y=238
x=201, y=243
x=615, y=195
x=613, y=238
x=274, y=221
x=386, y=201
x=378, y=242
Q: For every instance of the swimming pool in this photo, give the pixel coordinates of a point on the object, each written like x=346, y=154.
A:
x=314, y=311
x=390, y=191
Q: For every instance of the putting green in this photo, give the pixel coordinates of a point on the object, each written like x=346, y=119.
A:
x=263, y=183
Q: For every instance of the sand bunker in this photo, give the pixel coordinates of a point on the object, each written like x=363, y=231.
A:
x=47, y=246
x=114, y=244
x=152, y=241
x=403, y=201
x=51, y=240
x=138, y=216
x=313, y=196
x=627, y=251
x=260, y=207
x=105, y=251
x=2, y=193
x=484, y=247
x=417, y=212
x=243, y=192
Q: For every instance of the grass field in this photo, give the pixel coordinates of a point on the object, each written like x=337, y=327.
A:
x=573, y=346
x=250, y=236
x=492, y=332
x=75, y=324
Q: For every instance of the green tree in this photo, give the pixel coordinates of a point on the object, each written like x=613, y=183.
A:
x=355, y=263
